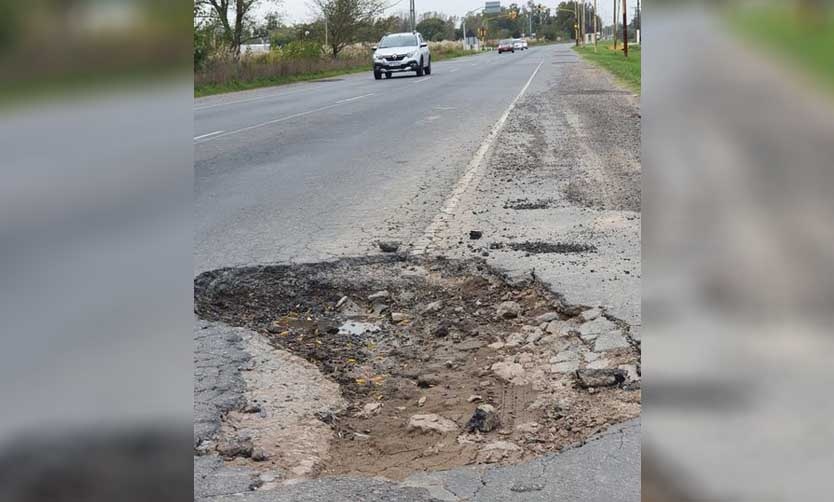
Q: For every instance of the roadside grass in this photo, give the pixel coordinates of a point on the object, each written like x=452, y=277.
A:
x=234, y=85
x=238, y=85
x=627, y=70
x=801, y=43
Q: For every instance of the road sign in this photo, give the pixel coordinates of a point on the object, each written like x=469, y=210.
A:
x=492, y=8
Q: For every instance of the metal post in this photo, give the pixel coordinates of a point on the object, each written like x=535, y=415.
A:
x=411, y=15
x=614, y=27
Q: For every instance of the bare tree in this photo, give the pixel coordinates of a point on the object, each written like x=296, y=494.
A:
x=233, y=16
x=344, y=18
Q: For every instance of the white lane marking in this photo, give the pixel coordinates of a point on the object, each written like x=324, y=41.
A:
x=207, y=135
x=421, y=80
x=454, y=70
x=348, y=100
x=473, y=170
x=288, y=93
x=288, y=117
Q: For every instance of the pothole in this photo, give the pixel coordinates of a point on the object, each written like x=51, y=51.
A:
x=440, y=363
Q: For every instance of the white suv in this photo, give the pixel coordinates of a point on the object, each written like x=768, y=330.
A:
x=398, y=52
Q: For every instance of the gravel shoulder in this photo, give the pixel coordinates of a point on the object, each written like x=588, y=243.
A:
x=560, y=194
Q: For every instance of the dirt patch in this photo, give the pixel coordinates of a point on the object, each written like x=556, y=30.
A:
x=539, y=247
x=417, y=346
x=526, y=204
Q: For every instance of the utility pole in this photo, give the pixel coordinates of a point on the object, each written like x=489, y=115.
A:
x=625, y=29
x=411, y=15
x=576, y=19
x=595, y=25
x=614, y=28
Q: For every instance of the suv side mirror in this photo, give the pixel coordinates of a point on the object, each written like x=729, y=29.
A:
x=424, y=44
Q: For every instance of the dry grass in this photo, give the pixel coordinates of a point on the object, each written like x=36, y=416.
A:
x=222, y=74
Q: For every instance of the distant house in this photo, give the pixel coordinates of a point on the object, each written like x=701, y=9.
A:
x=255, y=48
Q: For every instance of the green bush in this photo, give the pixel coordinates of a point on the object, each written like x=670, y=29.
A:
x=301, y=50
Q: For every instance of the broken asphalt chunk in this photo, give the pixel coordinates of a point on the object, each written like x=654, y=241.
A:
x=607, y=377
x=389, y=246
x=485, y=419
x=431, y=422
x=508, y=310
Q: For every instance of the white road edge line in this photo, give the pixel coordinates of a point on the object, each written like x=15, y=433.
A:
x=249, y=100
x=474, y=169
x=454, y=70
x=421, y=80
x=283, y=119
x=207, y=135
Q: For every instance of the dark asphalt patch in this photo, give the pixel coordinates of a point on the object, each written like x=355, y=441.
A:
x=523, y=204
x=539, y=247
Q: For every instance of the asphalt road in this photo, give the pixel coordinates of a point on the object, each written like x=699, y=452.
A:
x=323, y=169
x=313, y=170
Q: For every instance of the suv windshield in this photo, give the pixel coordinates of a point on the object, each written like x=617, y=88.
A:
x=398, y=41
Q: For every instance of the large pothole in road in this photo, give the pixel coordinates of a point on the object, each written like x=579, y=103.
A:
x=439, y=363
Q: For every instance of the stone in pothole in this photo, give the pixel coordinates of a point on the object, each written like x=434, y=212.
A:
x=547, y=317
x=508, y=310
x=431, y=422
x=589, y=331
x=610, y=341
x=590, y=315
x=498, y=451
x=510, y=372
x=565, y=367
x=571, y=354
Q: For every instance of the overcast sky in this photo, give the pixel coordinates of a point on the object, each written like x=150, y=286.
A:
x=294, y=11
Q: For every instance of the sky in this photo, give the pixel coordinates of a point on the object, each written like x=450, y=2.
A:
x=294, y=11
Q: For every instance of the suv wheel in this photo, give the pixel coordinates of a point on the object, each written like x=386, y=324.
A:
x=377, y=74
x=420, y=68
x=428, y=68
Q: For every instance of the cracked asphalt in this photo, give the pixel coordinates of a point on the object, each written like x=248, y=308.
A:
x=324, y=170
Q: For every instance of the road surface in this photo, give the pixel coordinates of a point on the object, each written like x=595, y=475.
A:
x=313, y=170
x=319, y=170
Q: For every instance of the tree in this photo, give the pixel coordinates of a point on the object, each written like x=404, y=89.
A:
x=234, y=17
x=345, y=18
x=433, y=28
